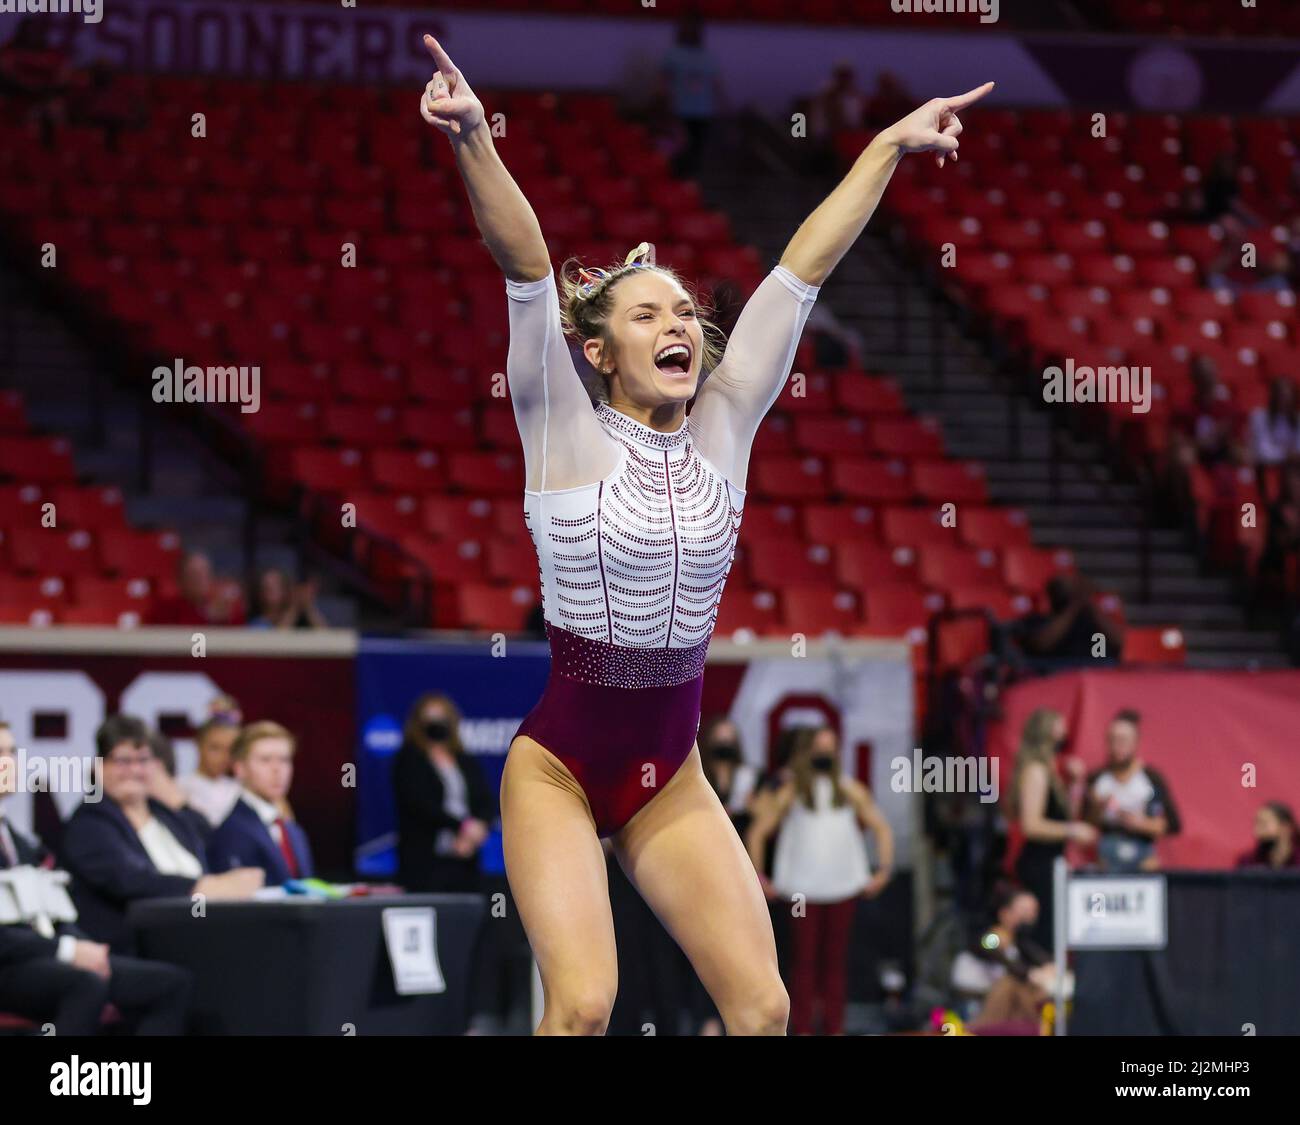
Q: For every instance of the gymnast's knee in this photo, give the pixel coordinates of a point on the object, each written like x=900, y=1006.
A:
x=764, y=1010
x=584, y=1011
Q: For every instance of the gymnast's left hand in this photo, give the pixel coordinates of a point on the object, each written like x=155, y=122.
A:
x=934, y=127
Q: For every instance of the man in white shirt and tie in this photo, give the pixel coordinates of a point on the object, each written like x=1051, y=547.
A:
x=50, y=973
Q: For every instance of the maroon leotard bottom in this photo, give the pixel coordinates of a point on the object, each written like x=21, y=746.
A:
x=623, y=720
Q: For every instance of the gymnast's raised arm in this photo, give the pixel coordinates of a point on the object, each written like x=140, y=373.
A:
x=564, y=445
x=504, y=217
x=756, y=364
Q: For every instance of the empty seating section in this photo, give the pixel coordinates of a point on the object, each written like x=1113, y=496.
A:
x=1077, y=253
x=68, y=555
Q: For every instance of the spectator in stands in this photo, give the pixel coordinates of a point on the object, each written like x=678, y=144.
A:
x=211, y=789
x=129, y=846
x=1129, y=802
x=1275, y=428
x=257, y=833
x=1189, y=208
x=1207, y=430
x=36, y=75
x=1046, y=809
x=201, y=599
x=1280, y=273
x=838, y=106
x=163, y=786
x=444, y=806
x=1067, y=634
x=281, y=604
x=1222, y=194
x=821, y=856
x=1273, y=275
x=890, y=100
x=1282, y=541
x=51, y=972
x=692, y=88
x=1276, y=839
x=1004, y=971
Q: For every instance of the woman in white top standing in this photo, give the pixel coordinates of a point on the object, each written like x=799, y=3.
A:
x=821, y=867
x=634, y=507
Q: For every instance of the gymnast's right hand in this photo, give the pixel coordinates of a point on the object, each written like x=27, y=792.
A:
x=447, y=101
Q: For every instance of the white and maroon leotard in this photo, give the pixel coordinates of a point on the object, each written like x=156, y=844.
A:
x=635, y=531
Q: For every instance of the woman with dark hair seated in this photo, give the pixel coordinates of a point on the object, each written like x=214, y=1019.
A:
x=130, y=846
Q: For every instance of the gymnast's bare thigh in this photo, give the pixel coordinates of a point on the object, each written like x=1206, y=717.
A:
x=529, y=763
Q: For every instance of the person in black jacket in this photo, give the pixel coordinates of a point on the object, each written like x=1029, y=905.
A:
x=51, y=972
x=444, y=806
x=129, y=846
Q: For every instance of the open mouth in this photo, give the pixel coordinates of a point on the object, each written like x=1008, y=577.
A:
x=674, y=360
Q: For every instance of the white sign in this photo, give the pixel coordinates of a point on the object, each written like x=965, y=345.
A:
x=1116, y=912
x=411, y=935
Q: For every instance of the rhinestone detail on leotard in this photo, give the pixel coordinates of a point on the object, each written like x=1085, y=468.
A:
x=639, y=560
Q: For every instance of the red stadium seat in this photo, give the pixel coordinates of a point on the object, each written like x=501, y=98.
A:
x=915, y=527
x=746, y=611
x=862, y=565
x=1154, y=646
x=493, y=608
x=814, y=610
x=1029, y=569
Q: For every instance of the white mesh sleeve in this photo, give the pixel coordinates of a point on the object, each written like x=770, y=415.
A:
x=754, y=368
x=564, y=444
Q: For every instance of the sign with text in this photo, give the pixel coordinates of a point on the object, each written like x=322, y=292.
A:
x=1116, y=912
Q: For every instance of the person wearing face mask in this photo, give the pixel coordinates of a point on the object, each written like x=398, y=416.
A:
x=444, y=806
x=1276, y=843
x=820, y=863
x=1047, y=810
x=733, y=779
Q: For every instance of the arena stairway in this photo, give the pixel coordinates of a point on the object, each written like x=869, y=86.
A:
x=904, y=323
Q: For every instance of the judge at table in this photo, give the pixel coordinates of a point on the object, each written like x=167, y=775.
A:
x=257, y=833
x=129, y=846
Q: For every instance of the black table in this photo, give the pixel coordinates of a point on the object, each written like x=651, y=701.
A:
x=304, y=966
x=1230, y=962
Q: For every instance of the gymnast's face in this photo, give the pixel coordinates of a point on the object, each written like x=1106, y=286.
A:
x=657, y=343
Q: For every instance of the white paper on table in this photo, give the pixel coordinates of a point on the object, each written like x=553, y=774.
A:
x=410, y=933
x=270, y=894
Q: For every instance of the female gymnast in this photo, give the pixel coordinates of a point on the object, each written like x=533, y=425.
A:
x=634, y=508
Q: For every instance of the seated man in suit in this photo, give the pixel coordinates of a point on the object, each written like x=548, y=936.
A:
x=256, y=833
x=50, y=973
